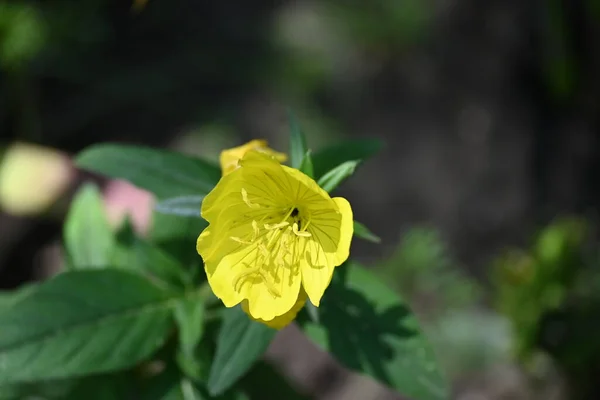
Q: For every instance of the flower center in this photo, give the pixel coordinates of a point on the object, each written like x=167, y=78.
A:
x=276, y=246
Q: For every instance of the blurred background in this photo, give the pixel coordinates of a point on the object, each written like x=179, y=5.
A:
x=485, y=194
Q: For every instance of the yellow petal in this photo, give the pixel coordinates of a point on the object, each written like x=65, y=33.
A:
x=224, y=194
x=317, y=270
x=234, y=272
x=346, y=230
x=283, y=320
x=230, y=158
x=266, y=305
x=328, y=247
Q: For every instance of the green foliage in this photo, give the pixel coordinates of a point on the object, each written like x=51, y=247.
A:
x=531, y=284
x=363, y=232
x=137, y=254
x=369, y=329
x=46, y=335
x=240, y=344
x=21, y=34
x=298, y=148
x=88, y=237
x=333, y=178
x=161, y=172
x=326, y=159
x=307, y=165
x=421, y=267
x=133, y=317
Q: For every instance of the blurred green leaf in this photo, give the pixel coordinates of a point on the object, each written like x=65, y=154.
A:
x=51, y=390
x=298, y=147
x=241, y=342
x=84, y=322
x=312, y=311
x=10, y=297
x=307, y=165
x=279, y=388
x=177, y=235
x=468, y=341
x=363, y=232
x=22, y=33
x=171, y=385
x=183, y=206
x=329, y=157
x=336, y=176
x=189, y=316
x=89, y=239
x=369, y=329
x=138, y=255
x=102, y=387
x=162, y=172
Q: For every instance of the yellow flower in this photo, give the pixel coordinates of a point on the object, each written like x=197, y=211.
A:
x=273, y=240
x=229, y=158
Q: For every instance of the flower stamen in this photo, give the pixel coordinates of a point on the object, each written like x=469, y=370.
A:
x=276, y=226
x=300, y=233
x=240, y=240
x=247, y=201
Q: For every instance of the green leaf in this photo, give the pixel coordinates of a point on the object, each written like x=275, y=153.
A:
x=138, y=255
x=241, y=342
x=51, y=390
x=88, y=237
x=83, y=322
x=10, y=297
x=307, y=166
x=162, y=172
x=357, y=149
x=312, y=311
x=170, y=385
x=263, y=374
x=368, y=328
x=189, y=316
x=183, y=206
x=102, y=387
x=297, y=142
x=363, y=232
x=336, y=176
x=177, y=236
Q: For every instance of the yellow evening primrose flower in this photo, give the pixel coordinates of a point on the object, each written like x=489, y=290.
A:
x=229, y=158
x=273, y=240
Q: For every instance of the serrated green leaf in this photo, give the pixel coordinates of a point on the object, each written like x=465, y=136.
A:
x=189, y=316
x=336, y=176
x=138, y=255
x=363, y=232
x=241, y=342
x=89, y=239
x=298, y=146
x=307, y=166
x=183, y=206
x=356, y=149
x=162, y=172
x=368, y=328
x=83, y=322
